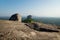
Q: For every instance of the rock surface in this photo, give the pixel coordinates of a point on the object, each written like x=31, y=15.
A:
x=42, y=27
x=13, y=30
x=15, y=17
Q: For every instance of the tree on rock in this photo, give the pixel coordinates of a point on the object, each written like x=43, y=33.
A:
x=28, y=19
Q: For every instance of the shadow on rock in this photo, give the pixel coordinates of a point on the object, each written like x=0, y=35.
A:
x=38, y=28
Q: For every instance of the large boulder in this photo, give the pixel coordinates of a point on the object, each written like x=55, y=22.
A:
x=15, y=17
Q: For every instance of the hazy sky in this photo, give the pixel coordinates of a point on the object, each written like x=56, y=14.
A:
x=42, y=8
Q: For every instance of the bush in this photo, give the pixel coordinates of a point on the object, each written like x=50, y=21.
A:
x=28, y=20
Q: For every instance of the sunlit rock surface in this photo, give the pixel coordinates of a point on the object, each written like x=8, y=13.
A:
x=13, y=30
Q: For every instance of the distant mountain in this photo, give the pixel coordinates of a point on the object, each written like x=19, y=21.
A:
x=46, y=20
x=4, y=18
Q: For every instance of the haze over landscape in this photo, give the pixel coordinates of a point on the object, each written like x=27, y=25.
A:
x=41, y=8
x=29, y=19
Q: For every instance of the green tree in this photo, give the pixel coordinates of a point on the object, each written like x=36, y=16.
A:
x=28, y=19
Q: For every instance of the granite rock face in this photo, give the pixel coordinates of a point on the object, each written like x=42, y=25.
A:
x=13, y=30
x=15, y=17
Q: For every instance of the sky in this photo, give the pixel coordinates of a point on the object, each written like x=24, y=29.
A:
x=40, y=8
